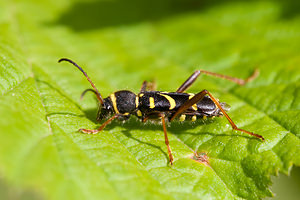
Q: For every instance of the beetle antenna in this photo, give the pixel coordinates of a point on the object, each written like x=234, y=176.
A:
x=87, y=90
x=87, y=77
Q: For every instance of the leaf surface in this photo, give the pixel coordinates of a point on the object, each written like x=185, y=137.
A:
x=41, y=150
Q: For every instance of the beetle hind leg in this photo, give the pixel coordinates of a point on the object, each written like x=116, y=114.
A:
x=197, y=73
x=198, y=97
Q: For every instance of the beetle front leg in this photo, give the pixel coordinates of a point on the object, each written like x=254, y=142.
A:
x=94, y=131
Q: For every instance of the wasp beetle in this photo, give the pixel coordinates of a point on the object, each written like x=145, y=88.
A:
x=164, y=106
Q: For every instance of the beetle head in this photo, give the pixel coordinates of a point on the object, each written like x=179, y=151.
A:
x=105, y=110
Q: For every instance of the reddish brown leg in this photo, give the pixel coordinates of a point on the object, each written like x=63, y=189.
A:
x=145, y=119
x=148, y=86
x=171, y=158
x=198, y=97
x=162, y=116
x=197, y=73
x=230, y=120
x=94, y=131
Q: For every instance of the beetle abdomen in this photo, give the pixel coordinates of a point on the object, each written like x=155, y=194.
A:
x=171, y=101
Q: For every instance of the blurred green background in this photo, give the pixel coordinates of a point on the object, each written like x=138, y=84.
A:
x=287, y=187
x=121, y=43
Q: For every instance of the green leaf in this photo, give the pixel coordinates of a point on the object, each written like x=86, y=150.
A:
x=44, y=156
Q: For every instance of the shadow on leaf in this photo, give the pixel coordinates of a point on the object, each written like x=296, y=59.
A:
x=87, y=15
x=90, y=15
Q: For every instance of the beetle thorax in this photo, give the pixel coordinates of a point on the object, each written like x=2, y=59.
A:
x=123, y=101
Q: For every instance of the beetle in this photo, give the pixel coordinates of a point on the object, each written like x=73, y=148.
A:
x=164, y=106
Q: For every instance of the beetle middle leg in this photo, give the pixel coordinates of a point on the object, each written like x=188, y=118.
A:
x=171, y=158
x=198, y=97
x=163, y=122
x=197, y=73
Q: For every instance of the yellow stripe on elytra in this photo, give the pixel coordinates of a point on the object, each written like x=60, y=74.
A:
x=170, y=99
x=114, y=102
x=151, y=101
x=136, y=101
x=195, y=105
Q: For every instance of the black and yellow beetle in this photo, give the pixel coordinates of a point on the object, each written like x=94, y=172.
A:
x=152, y=104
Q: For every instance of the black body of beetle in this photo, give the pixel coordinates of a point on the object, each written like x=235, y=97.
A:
x=152, y=104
